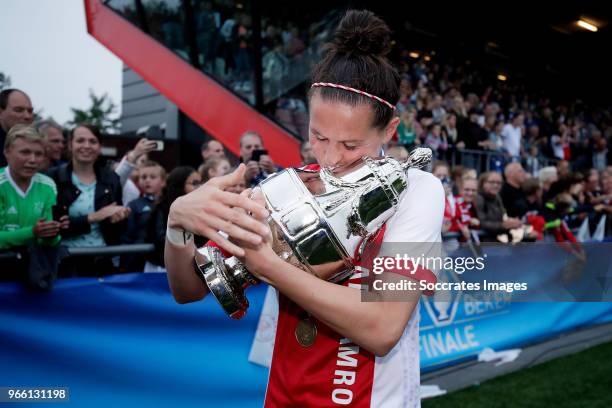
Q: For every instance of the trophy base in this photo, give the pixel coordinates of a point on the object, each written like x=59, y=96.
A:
x=214, y=273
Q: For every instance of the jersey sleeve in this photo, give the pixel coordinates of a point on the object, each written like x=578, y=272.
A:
x=415, y=229
x=421, y=211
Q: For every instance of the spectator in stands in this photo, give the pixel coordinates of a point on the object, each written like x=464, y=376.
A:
x=182, y=180
x=592, y=188
x=127, y=169
x=496, y=143
x=512, y=135
x=436, y=141
x=214, y=167
x=437, y=109
x=306, y=154
x=275, y=67
x=15, y=108
x=212, y=148
x=26, y=201
x=90, y=194
x=408, y=129
x=490, y=208
x=560, y=143
x=457, y=174
x=533, y=195
x=511, y=194
x=441, y=170
x=55, y=145
x=563, y=168
x=599, y=151
x=471, y=136
x=532, y=190
x=424, y=120
x=449, y=125
x=547, y=176
x=151, y=181
x=532, y=161
x=554, y=213
x=256, y=171
x=405, y=93
x=465, y=218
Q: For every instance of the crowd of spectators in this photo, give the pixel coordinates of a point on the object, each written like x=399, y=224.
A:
x=58, y=193
x=516, y=166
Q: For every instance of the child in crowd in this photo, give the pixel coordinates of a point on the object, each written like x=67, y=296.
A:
x=214, y=167
x=151, y=181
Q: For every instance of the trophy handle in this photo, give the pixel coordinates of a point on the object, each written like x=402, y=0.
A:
x=419, y=158
x=337, y=182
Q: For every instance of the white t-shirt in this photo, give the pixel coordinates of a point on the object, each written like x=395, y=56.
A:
x=395, y=378
x=512, y=139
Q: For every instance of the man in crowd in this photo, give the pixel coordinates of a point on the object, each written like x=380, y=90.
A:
x=212, y=149
x=512, y=194
x=306, y=154
x=26, y=199
x=512, y=134
x=54, y=145
x=259, y=165
x=15, y=108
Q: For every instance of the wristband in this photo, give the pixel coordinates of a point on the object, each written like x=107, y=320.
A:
x=178, y=237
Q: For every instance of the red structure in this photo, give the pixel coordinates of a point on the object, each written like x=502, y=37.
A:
x=215, y=109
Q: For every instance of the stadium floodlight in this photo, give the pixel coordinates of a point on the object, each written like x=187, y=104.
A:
x=586, y=25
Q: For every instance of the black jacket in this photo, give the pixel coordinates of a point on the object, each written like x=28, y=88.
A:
x=108, y=191
x=490, y=211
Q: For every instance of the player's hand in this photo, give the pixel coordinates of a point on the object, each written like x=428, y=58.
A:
x=210, y=209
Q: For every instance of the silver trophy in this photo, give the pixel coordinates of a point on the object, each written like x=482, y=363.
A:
x=320, y=222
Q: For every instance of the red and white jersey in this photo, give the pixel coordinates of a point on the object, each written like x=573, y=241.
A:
x=336, y=372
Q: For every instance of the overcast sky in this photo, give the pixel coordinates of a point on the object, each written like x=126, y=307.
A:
x=47, y=52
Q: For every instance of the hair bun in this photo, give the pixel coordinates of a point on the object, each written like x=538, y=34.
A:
x=362, y=32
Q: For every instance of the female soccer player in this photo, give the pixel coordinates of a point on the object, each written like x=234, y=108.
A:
x=331, y=348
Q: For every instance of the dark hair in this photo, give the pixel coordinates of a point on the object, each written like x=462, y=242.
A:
x=356, y=58
x=530, y=186
x=175, y=185
x=92, y=128
x=5, y=94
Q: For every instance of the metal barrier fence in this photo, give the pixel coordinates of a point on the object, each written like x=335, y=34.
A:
x=486, y=160
x=111, y=250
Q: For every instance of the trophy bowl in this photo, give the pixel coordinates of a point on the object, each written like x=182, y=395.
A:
x=320, y=222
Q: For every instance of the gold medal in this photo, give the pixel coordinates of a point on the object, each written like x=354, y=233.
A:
x=306, y=332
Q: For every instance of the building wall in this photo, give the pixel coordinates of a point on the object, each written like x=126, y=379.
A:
x=142, y=105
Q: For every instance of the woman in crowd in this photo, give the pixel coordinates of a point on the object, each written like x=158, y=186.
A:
x=408, y=129
x=490, y=210
x=346, y=123
x=90, y=194
x=182, y=180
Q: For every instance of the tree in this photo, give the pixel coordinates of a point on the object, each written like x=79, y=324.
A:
x=99, y=114
x=5, y=81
